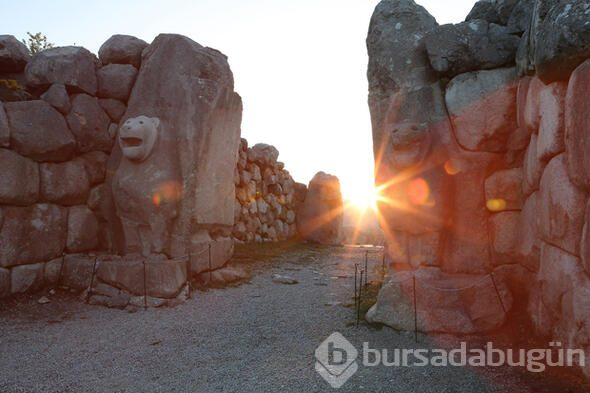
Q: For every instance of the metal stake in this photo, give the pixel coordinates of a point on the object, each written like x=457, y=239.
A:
x=366, y=267
x=415, y=310
x=358, y=309
x=498, y=293
x=209, y=263
x=91, y=280
x=144, y=286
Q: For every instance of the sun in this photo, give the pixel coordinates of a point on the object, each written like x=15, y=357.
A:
x=363, y=198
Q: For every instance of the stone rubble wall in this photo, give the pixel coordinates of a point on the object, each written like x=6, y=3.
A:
x=267, y=197
x=503, y=149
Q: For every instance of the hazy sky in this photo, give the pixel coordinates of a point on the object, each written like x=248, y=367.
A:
x=299, y=65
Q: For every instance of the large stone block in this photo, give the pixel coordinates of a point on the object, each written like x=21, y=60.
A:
x=89, y=124
x=52, y=271
x=563, y=40
x=577, y=126
x=460, y=304
x=26, y=278
x=528, y=234
x=95, y=164
x=19, y=183
x=4, y=129
x=163, y=278
x=114, y=108
x=116, y=81
x=504, y=232
x=198, y=131
x=202, y=259
x=14, y=55
x=66, y=183
x=551, y=139
x=72, y=66
x=321, y=216
x=482, y=109
x=39, y=131
x=57, y=96
x=77, y=271
x=32, y=234
x=470, y=46
x=506, y=186
x=561, y=207
x=122, y=49
x=82, y=230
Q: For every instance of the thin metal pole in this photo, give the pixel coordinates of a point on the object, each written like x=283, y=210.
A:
x=61, y=268
x=188, y=273
x=356, y=268
x=366, y=267
x=144, y=286
x=383, y=266
x=91, y=280
x=415, y=310
x=498, y=293
x=358, y=309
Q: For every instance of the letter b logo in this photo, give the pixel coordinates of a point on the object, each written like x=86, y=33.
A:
x=336, y=360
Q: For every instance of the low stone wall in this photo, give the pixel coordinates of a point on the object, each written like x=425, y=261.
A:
x=267, y=197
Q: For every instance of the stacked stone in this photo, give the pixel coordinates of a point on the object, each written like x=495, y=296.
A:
x=501, y=161
x=267, y=197
x=58, y=119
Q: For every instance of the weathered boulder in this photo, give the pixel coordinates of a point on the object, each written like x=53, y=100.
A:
x=470, y=46
x=14, y=55
x=531, y=114
x=72, y=66
x=95, y=164
x=520, y=17
x=66, y=183
x=482, y=110
x=39, y=131
x=77, y=271
x=551, y=139
x=577, y=126
x=505, y=186
x=89, y=124
x=263, y=154
x=32, y=234
x=561, y=207
x=114, y=108
x=563, y=40
x=528, y=234
x=209, y=254
x=26, y=278
x=493, y=11
x=57, y=97
x=504, y=232
x=320, y=217
x=116, y=80
x=4, y=129
x=52, y=271
x=457, y=304
x=19, y=183
x=82, y=230
x=163, y=278
x=122, y=49
x=189, y=89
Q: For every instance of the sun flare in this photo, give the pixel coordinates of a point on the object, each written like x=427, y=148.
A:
x=363, y=198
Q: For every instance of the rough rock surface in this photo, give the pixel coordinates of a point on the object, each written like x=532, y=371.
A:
x=481, y=106
x=4, y=129
x=72, y=66
x=82, y=230
x=561, y=207
x=39, y=131
x=506, y=186
x=114, y=108
x=57, y=97
x=64, y=183
x=469, y=304
x=320, y=217
x=551, y=127
x=470, y=46
x=116, y=80
x=200, y=116
x=89, y=124
x=26, y=278
x=32, y=234
x=122, y=49
x=14, y=55
x=19, y=183
x=577, y=125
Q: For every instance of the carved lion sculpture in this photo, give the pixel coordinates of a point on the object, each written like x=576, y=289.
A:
x=147, y=185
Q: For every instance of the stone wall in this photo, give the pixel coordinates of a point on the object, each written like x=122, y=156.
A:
x=116, y=165
x=267, y=197
x=481, y=134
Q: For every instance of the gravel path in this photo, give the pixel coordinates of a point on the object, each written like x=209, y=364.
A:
x=257, y=337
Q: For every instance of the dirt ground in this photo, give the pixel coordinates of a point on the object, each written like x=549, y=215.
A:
x=258, y=336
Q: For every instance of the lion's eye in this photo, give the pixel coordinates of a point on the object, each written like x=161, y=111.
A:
x=141, y=122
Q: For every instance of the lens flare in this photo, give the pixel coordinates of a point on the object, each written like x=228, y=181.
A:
x=418, y=192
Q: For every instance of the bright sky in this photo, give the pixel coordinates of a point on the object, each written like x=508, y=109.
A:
x=299, y=65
